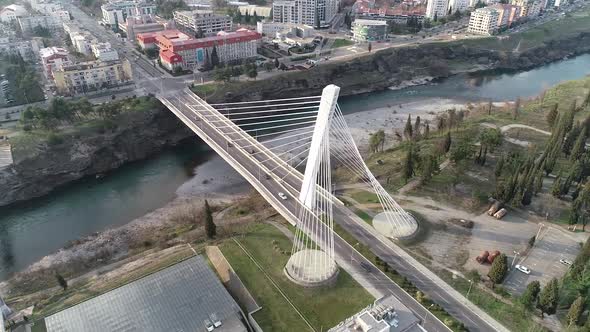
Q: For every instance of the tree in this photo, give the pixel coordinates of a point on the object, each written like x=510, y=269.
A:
x=529, y=297
x=552, y=115
x=516, y=108
x=575, y=311
x=199, y=33
x=210, y=227
x=377, y=140
x=489, y=138
x=579, y=146
x=499, y=167
x=417, y=126
x=370, y=47
x=277, y=63
x=429, y=166
x=548, y=298
x=490, y=106
x=61, y=281
x=408, y=170
x=214, y=57
x=498, y=269
x=435, y=17
x=317, y=19
x=447, y=142
x=461, y=150
x=252, y=72
x=408, y=131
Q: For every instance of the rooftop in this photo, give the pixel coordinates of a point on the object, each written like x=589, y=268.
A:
x=49, y=51
x=178, y=298
x=369, y=22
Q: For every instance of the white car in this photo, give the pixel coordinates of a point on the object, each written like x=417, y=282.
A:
x=209, y=325
x=523, y=269
x=282, y=196
x=565, y=262
x=215, y=320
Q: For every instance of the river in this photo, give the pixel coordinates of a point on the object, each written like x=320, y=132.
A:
x=32, y=230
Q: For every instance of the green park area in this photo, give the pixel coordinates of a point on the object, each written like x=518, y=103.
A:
x=322, y=308
x=342, y=43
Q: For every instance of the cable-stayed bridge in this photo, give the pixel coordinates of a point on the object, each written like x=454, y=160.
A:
x=287, y=150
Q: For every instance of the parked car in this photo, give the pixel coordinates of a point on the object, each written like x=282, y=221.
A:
x=565, y=262
x=215, y=320
x=282, y=196
x=208, y=325
x=523, y=269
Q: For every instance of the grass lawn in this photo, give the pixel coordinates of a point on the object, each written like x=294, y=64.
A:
x=342, y=43
x=204, y=90
x=318, y=306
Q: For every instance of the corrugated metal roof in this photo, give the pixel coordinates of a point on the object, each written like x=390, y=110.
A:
x=178, y=298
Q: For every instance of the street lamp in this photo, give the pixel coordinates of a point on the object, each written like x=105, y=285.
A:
x=469, y=290
x=516, y=253
x=426, y=314
x=352, y=251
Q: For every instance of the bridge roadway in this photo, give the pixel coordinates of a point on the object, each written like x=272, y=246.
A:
x=252, y=160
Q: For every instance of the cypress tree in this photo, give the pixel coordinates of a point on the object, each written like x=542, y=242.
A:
x=427, y=130
x=417, y=126
x=214, y=57
x=552, y=115
x=548, y=298
x=556, y=189
x=499, y=167
x=579, y=146
x=408, y=131
x=529, y=297
x=539, y=182
x=516, y=108
x=409, y=164
x=498, y=269
x=570, y=138
x=61, y=281
x=210, y=227
x=447, y=142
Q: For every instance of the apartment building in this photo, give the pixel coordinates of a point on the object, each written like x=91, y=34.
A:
x=528, y=8
x=116, y=12
x=91, y=76
x=208, y=22
x=260, y=11
x=305, y=11
x=483, y=21
x=11, y=13
x=104, y=52
x=507, y=14
x=29, y=23
x=82, y=42
x=436, y=9
x=270, y=29
x=460, y=5
x=188, y=53
x=53, y=58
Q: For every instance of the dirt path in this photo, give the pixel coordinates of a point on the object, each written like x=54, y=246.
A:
x=518, y=142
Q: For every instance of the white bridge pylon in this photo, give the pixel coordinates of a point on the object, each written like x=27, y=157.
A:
x=276, y=139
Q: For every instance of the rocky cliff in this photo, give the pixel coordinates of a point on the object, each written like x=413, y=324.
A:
x=392, y=67
x=137, y=135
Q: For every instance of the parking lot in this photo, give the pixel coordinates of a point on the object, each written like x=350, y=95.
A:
x=543, y=260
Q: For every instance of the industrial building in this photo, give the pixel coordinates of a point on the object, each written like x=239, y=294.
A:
x=183, y=297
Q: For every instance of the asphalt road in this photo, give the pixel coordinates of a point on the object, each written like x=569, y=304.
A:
x=282, y=180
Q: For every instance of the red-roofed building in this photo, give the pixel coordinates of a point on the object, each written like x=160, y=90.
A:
x=146, y=40
x=170, y=60
x=232, y=47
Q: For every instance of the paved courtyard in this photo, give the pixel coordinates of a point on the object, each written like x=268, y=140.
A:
x=543, y=260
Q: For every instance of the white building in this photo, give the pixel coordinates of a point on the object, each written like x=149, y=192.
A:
x=117, y=12
x=304, y=11
x=529, y=8
x=205, y=20
x=260, y=11
x=11, y=13
x=104, y=52
x=270, y=29
x=82, y=42
x=436, y=9
x=369, y=30
x=28, y=23
x=483, y=21
x=53, y=58
x=460, y=5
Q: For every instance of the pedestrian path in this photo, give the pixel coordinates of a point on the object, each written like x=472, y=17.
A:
x=5, y=155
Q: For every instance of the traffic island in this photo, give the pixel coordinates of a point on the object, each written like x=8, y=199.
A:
x=384, y=224
x=311, y=268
